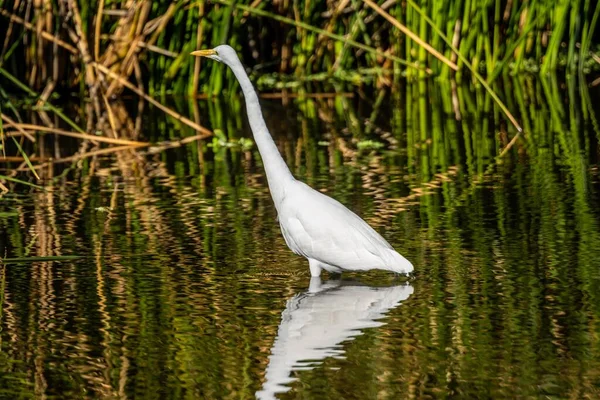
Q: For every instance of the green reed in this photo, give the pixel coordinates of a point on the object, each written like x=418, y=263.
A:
x=287, y=44
x=492, y=36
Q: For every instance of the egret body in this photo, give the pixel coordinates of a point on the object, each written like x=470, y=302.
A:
x=313, y=225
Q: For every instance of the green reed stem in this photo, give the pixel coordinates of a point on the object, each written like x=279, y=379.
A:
x=323, y=32
x=510, y=50
x=551, y=58
x=11, y=179
x=470, y=67
x=25, y=157
x=587, y=36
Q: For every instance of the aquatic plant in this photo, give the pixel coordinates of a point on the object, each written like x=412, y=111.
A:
x=60, y=44
x=103, y=48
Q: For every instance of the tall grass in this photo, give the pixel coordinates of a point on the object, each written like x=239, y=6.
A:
x=101, y=48
x=149, y=42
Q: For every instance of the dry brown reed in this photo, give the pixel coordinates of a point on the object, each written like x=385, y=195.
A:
x=110, y=64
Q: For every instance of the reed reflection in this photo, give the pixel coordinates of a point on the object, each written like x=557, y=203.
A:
x=315, y=323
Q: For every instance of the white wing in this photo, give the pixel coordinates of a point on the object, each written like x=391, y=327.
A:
x=319, y=227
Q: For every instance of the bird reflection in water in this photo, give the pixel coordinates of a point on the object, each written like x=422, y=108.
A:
x=316, y=322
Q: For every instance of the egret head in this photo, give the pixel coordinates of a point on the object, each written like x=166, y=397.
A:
x=223, y=53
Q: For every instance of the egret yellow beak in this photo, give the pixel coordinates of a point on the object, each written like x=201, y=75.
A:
x=203, y=53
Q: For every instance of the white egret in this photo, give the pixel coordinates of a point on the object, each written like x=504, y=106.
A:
x=314, y=225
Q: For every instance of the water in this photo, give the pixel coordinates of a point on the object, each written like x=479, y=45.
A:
x=185, y=288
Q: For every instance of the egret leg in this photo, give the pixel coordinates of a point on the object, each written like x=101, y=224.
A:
x=315, y=284
x=315, y=267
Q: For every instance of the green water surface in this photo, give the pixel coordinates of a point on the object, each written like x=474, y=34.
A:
x=186, y=289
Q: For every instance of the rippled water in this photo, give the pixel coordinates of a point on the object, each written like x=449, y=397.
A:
x=185, y=289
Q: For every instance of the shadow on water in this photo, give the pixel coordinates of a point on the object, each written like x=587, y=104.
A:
x=184, y=274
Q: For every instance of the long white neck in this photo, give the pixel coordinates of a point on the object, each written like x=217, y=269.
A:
x=278, y=173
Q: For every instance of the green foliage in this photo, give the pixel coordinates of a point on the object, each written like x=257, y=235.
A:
x=295, y=40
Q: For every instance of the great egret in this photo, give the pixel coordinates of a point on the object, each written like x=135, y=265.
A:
x=316, y=323
x=314, y=225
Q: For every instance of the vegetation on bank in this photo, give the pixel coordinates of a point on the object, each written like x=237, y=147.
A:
x=101, y=49
x=357, y=41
